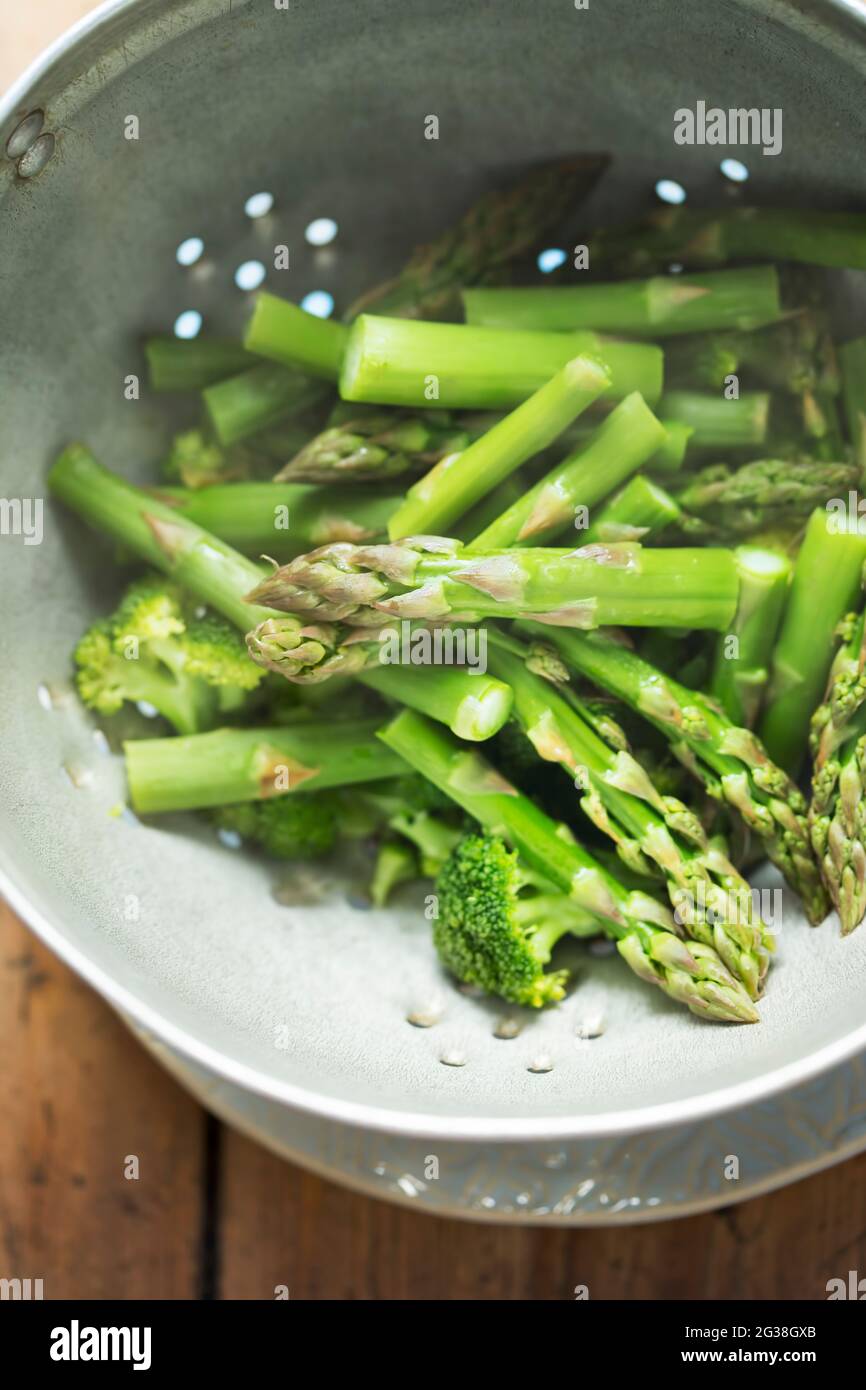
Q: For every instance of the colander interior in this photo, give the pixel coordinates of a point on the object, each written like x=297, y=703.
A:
x=283, y=980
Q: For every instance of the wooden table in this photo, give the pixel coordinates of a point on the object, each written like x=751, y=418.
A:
x=212, y=1215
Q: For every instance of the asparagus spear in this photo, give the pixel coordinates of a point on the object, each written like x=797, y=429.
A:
x=261, y=396
x=730, y=761
x=795, y=355
x=283, y=519
x=638, y=512
x=708, y=237
x=498, y=228
x=233, y=765
x=642, y=928
x=188, y=364
x=671, y=456
x=837, y=814
x=432, y=577
x=623, y=441
x=458, y=481
x=454, y=366
x=718, y=423
x=852, y=360
x=373, y=447
x=827, y=583
x=162, y=537
x=285, y=333
x=742, y=664
x=719, y=502
x=710, y=899
x=659, y=307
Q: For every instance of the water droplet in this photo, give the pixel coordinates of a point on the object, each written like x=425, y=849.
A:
x=24, y=134
x=592, y=1026
x=147, y=709
x=426, y=1015
x=230, y=838
x=541, y=1063
x=79, y=775
x=507, y=1028
x=453, y=1058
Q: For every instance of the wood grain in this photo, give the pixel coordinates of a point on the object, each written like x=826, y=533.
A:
x=77, y=1097
x=282, y=1226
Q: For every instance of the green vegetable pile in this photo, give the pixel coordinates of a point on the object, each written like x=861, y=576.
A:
x=610, y=526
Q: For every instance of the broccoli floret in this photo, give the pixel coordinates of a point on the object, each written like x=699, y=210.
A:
x=192, y=667
x=285, y=827
x=196, y=461
x=497, y=922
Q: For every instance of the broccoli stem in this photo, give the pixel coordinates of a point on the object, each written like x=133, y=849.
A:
x=159, y=535
x=430, y=577
x=661, y=306
x=622, y=442
x=257, y=398
x=474, y=707
x=454, y=366
x=852, y=361
x=640, y=925
x=638, y=512
x=285, y=333
x=233, y=765
x=458, y=481
x=179, y=364
x=827, y=583
x=719, y=423
x=742, y=666
x=283, y=519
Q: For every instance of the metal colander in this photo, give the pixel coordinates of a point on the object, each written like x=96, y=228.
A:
x=281, y=981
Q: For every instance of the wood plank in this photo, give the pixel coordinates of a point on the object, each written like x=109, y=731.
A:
x=283, y=1226
x=77, y=1095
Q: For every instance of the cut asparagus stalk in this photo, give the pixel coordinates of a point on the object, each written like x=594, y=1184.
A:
x=718, y=423
x=372, y=448
x=454, y=366
x=638, y=512
x=431, y=577
x=457, y=482
x=257, y=398
x=671, y=456
x=708, y=237
x=742, y=664
x=653, y=832
x=232, y=765
x=189, y=364
x=852, y=360
x=474, y=706
x=693, y=974
x=500, y=227
x=281, y=331
x=623, y=441
x=827, y=583
x=491, y=505
x=284, y=519
x=837, y=814
x=730, y=761
x=659, y=307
